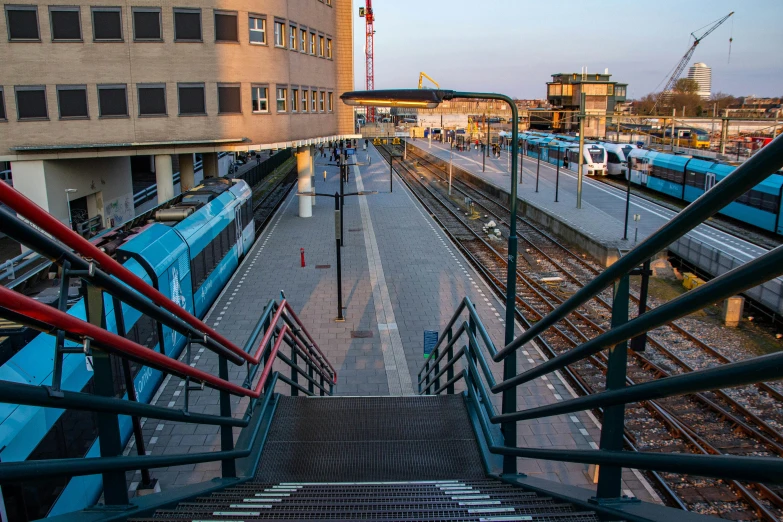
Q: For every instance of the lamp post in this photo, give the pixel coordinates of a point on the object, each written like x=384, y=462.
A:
x=68, y=193
x=338, y=197
x=557, y=175
x=429, y=99
x=538, y=164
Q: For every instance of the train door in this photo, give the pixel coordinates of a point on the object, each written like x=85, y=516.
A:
x=238, y=231
x=709, y=181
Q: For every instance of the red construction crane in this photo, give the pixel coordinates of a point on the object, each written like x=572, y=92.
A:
x=368, y=52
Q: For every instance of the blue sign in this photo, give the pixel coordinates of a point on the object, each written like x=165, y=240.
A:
x=430, y=340
x=350, y=152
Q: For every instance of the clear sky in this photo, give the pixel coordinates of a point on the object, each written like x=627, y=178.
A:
x=514, y=46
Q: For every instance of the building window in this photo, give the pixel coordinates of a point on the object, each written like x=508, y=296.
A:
x=72, y=101
x=322, y=101
x=321, y=46
x=31, y=103
x=281, y=99
x=146, y=24
x=303, y=40
x=304, y=100
x=329, y=48
x=66, y=24
x=229, y=99
x=226, y=27
x=292, y=37
x=331, y=101
x=22, y=22
x=329, y=3
x=187, y=25
x=112, y=101
x=312, y=44
x=152, y=99
x=279, y=34
x=191, y=99
x=313, y=98
x=294, y=100
x=107, y=24
x=257, y=29
x=260, y=97
x=3, y=116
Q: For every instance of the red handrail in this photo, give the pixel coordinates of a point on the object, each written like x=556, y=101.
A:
x=22, y=205
x=310, y=337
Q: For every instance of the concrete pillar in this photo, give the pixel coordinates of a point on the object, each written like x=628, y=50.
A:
x=164, y=176
x=210, y=164
x=313, y=154
x=186, y=176
x=305, y=185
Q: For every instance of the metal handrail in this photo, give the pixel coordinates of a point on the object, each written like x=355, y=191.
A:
x=475, y=350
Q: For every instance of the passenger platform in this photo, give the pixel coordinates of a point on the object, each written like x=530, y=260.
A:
x=401, y=276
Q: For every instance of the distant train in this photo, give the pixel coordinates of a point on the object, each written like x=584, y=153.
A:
x=686, y=178
x=188, y=253
x=554, y=148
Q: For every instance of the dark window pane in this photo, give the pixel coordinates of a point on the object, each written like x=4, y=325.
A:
x=147, y=25
x=107, y=25
x=191, y=100
x=152, y=100
x=66, y=25
x=23, y=24
x=226, y=27
x=31, y=104
x=2, y=106
x=73, y=103
x=187, y=26
x=228, y=99
x=112, y=101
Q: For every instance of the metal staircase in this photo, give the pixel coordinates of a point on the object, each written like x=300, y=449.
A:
x=372, y=458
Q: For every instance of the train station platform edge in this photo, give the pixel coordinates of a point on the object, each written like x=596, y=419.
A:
x=401, y=276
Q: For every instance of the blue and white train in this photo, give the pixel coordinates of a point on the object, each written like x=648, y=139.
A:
x=686, y=178
x=554, y=148
x=188, y=253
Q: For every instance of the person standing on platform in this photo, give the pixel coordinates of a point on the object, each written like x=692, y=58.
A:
x=565, y=160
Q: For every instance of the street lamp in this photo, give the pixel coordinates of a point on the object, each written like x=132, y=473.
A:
x=338, y=238
x=430, y=99
x=68, y=192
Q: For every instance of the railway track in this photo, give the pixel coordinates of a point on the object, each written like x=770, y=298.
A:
x=268, y=195
x=715, y=422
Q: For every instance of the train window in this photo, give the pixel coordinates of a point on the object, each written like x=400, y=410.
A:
x=209, y=260
x=197, y=270
x=613, y=158
x=70, y=437
x=695, y=179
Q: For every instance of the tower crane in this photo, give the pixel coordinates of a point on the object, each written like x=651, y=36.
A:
x=423, y=75
x=687, y=58
x=367, y=14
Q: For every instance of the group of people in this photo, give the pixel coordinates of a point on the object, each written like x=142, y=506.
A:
x=335, y=148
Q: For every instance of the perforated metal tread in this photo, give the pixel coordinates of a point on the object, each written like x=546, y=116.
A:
x=339, y=439
x=468, y=500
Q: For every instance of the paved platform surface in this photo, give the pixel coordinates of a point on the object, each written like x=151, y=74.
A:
x=602, y=214
x=401, y=276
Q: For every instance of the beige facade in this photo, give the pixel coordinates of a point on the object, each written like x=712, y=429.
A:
x=87, y=65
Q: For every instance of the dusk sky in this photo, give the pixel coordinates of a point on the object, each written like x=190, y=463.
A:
x=514, y=46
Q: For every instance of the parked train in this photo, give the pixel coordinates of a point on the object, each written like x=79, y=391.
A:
x=188, y=253
x=554, y=148
x=687, y=178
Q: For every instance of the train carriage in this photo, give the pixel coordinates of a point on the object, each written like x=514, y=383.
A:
x=189, y=254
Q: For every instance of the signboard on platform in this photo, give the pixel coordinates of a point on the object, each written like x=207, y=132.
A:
x=430, y=340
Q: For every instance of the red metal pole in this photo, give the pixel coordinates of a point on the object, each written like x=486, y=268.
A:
x=22, y=205
x=301, y=252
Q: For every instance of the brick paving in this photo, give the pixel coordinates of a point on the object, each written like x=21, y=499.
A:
x=401, y=276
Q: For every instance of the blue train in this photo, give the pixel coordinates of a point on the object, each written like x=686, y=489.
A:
x=554, y=148
x=687, y=178
x=188, y=253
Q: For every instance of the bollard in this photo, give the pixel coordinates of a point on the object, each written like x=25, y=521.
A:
x=301, y=252
x=324, y=175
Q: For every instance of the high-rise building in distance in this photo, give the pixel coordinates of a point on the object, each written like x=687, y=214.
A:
x=701, y=74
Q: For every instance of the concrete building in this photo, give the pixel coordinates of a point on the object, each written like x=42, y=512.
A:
x=601, y=94
x=701, y=74
x=86, y=85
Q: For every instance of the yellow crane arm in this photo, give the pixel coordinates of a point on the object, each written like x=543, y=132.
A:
x=423, y=75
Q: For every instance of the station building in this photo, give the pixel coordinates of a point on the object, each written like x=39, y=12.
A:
x=565, y=90
x=86, y=85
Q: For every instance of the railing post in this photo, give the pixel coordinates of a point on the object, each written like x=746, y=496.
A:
x=115, y=489
x=294, y=372
x=435, y=354
x=449, y=356
x=311, y=373
x=226, y=432
x=610, y=477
